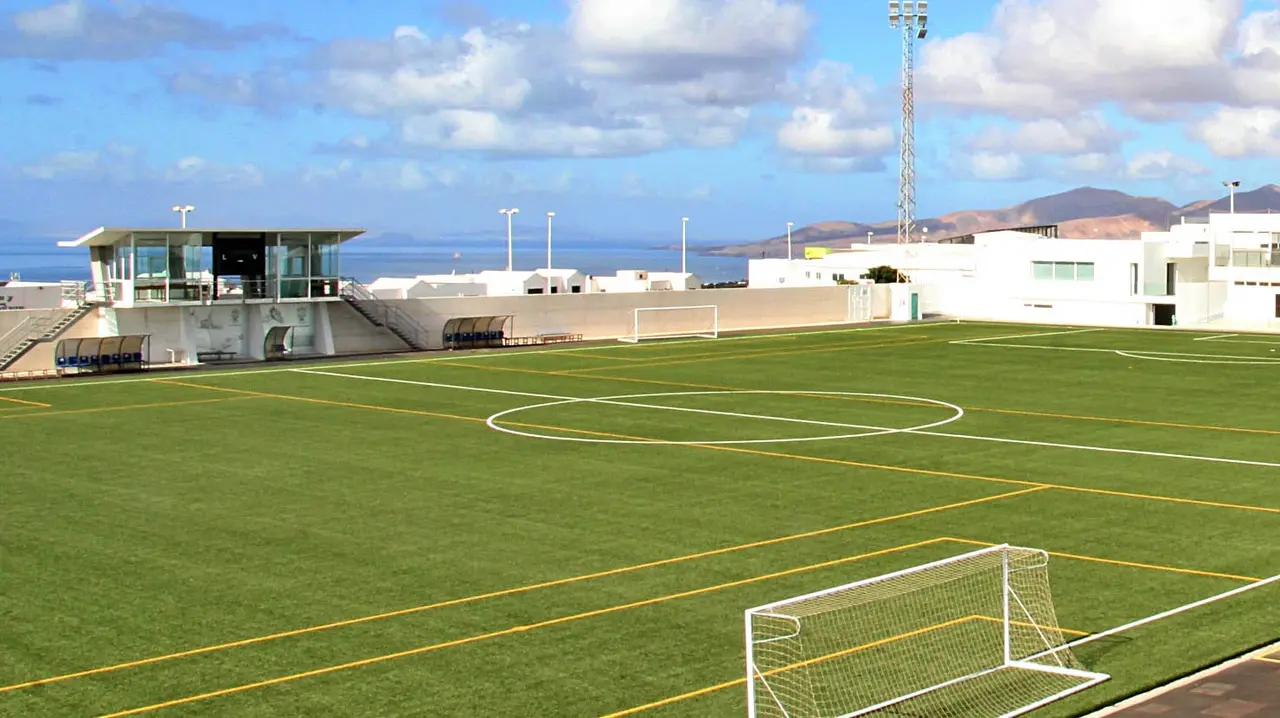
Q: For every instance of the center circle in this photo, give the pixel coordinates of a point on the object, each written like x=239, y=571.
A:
x=620, y=400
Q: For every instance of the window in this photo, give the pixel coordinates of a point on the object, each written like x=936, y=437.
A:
x=1133, y=278
x=1062, y=271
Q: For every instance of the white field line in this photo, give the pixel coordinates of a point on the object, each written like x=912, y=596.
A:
x=1214, y=337
x=1147, y=354
x=449, y=357
x=1257, y=361
x=612, y=402
x=980, y=340
x=943, y=434
x=1273, y=343
x=483, y=355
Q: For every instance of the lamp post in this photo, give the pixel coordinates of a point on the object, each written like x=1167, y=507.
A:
x=183, y=209
x=684, y=233
x=869, y=238
x=1231, y=186
x=510, y=213
x=925, y=232
x=549, y=216
x=789, y=226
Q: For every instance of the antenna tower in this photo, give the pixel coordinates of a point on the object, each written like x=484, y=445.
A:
x=909, y=17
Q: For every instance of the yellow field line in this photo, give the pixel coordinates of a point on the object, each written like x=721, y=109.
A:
x=1137, y=422
x=819, y=659
x=122, y=407
x=1268, y=659
x=24, y=402
x=1129, y=564
x=515, y=629
x=513, y=591
x=878, y=400
x=774, y=454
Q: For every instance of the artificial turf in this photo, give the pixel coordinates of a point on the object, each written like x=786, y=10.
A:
x=188, y=510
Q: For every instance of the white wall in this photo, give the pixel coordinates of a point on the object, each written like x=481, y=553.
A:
x=610, y=315
x=30, y=295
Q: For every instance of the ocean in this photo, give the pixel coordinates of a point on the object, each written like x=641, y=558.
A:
x=41, y=260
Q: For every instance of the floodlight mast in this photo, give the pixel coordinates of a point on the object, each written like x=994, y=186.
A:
x=910, y=17
x=183, y=209
x=509, y=212
x=1231, y=186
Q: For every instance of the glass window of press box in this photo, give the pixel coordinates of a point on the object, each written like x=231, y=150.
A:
x=178, y=267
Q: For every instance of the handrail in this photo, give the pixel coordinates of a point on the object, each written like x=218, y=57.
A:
x=27, y=330
x=389, y=315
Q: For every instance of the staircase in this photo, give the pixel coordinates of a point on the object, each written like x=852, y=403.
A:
x=381, y=314
x=34, y=330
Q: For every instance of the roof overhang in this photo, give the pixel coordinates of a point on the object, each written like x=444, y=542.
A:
x=111, y=236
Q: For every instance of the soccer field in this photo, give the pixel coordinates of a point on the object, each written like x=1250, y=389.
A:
x=576, y=532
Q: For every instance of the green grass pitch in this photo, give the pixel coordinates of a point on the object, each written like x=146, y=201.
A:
x=169, y=542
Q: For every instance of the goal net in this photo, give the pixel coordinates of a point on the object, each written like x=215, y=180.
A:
x=971, y=636
x=674, y=323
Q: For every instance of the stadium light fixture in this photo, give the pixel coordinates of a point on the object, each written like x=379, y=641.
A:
x=1231, y=186
x=684, y=244
x=549, y=216
x=789, y=226
x=510, y=213
x=183, y=209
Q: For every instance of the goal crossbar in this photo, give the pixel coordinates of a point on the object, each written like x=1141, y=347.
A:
x=792, y=681
x=696, y=321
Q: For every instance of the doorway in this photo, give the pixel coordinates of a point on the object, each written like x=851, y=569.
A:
x=1163, y=315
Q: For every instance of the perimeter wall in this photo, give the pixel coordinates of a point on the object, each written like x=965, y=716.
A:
x=608, y=316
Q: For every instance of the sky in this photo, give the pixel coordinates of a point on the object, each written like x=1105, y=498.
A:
x=622, y=116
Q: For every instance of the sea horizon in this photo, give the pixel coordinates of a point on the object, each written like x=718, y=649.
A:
x=39, y=259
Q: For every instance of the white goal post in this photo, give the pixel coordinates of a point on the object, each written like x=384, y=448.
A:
x=972, y=636
x=700, y=321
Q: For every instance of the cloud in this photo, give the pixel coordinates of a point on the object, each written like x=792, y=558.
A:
x=596, y=87
x=1043, y=58
x=42, y=100
x=1082, y=134
x=122, y=164
x=1241, y=132
x=685, y=39
x=1162, y=165
x=832, y=128
x=85, y=30
x=990, y=166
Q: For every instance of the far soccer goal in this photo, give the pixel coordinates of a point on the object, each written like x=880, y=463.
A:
x=972, y=636
x=702, y=321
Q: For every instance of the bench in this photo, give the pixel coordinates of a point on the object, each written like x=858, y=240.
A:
x=215, y=356
x=540, y=339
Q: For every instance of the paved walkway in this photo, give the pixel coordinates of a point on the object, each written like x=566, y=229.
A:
x=1247, y=687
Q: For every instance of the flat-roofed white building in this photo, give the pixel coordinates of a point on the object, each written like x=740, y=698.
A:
x=1223, y=269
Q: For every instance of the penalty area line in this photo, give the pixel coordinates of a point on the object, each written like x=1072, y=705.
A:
x=516, y=629
x=517, y=590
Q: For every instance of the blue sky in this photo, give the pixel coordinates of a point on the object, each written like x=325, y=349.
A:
x=621, y=116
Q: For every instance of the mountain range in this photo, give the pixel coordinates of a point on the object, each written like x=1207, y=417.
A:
x=1084, y=212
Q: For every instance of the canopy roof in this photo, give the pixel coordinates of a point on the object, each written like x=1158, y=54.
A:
x=110, y=236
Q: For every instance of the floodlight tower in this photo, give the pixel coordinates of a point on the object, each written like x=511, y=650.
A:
x=183, y=209
x=909, y=17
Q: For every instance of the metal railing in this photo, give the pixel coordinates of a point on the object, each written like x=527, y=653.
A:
x=383, y=314
x=17, y=340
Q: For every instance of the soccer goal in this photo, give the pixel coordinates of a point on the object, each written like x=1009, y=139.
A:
x=972, y=636
x=702, y=321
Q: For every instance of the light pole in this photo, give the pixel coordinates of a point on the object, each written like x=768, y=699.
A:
x=925, y=231
x=182, y=209
x=510, y=213
x=789, y=226
x=549, y=216
x=684, y=234
x=869, y=238
x=1231, y=187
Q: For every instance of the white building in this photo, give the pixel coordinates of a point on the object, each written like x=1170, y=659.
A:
x=639, y=280
x=1224, y=270
x=500, y=283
